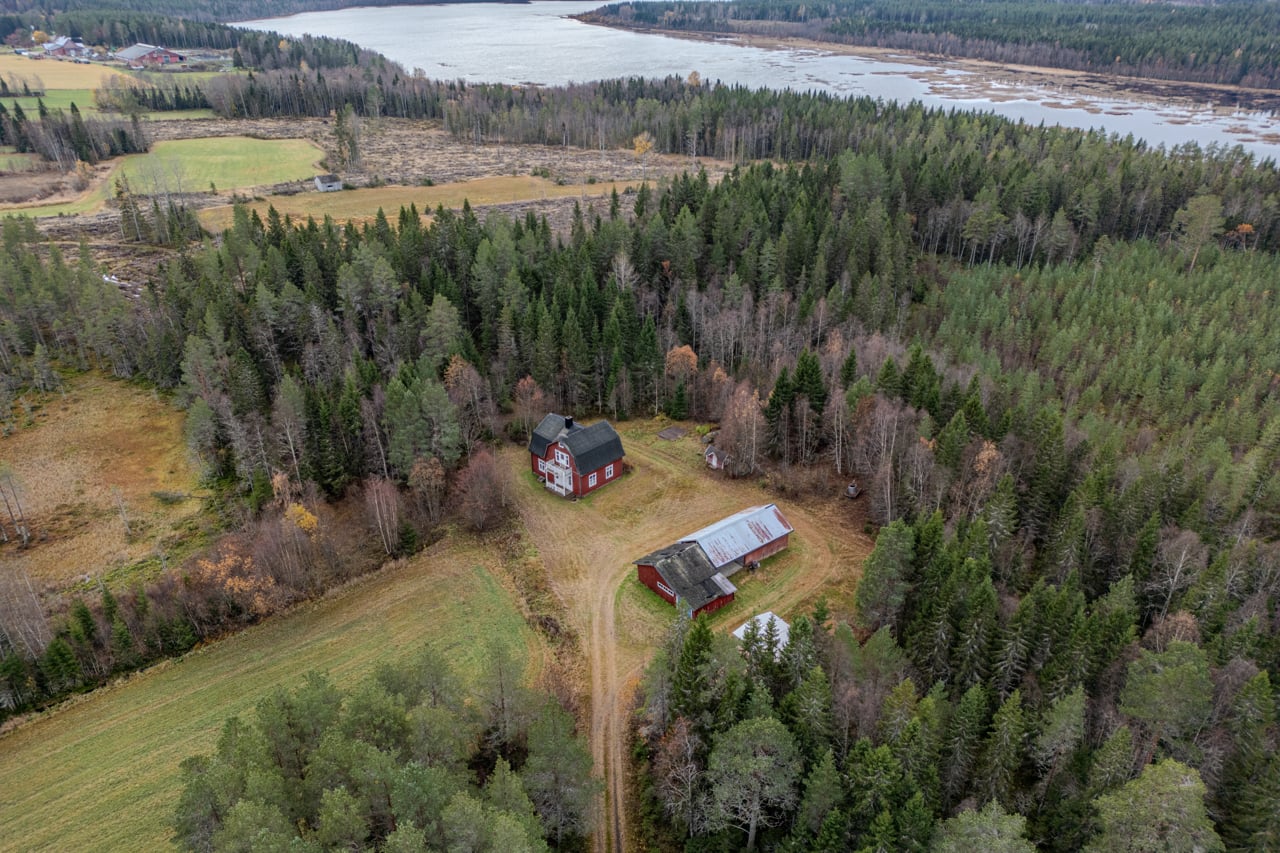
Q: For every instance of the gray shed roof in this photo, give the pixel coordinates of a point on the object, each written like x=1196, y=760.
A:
x=734, y=537
x=137, y=51
x=685, y=568
x=592, y=447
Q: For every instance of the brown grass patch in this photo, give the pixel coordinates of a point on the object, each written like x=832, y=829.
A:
x=75, y=453
x=362, y=205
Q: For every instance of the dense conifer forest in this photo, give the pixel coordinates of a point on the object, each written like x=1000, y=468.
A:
x=1047, y=355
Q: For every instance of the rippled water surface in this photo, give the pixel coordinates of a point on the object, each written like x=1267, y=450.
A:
x=539, y=43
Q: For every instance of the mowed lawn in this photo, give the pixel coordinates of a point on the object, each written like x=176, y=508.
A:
x=103, y=773
x=361, y=205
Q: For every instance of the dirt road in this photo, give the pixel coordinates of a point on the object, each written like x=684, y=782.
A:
x=587, y=548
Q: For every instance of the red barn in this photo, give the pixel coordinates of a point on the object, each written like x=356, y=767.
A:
x=149, y=54
x=572, y=459
x=682, y=574
x=693, y=574
x=745, y=537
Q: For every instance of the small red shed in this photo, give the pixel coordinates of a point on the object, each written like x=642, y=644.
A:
x=572, y=459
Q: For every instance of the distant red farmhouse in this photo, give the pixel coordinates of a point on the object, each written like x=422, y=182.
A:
x=572, y=459
x=66, y=46
x=148, y=54
x=693, y=574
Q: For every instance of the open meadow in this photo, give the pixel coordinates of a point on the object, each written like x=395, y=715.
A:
x=101, y=773
x=192, y=165
x=99, y=455
x=49, y=74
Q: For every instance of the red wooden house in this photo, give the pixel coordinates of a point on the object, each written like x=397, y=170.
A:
x=572, y=459
x=693, y=574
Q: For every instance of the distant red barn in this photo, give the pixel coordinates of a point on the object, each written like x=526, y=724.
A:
x=148, y=54
x=572, y=459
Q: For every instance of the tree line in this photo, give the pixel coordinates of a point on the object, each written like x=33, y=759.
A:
x=26, y=13
x=69, y=137
x=1221, y=43
x=408, y=760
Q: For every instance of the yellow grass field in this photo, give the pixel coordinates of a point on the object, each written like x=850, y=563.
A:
x=55, y=74
x=76, y=451
x=361, y=205
x=102, y=773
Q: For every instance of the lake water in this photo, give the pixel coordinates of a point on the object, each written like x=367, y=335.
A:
x=538, y=43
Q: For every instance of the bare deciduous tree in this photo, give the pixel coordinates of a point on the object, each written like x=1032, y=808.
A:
x=483, y=497
x=382, y=507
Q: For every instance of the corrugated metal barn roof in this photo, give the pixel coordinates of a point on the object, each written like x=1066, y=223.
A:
x=734, y=537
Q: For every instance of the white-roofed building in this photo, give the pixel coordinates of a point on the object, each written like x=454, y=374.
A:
x=761, y=622
x=745, y=537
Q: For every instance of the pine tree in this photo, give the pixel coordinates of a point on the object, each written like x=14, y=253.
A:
x=964, y=738
x=1003, y=754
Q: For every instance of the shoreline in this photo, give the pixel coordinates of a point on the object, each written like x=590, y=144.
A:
x=1223, y=100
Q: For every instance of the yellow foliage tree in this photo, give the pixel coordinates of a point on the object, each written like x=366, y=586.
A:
x=642, y=144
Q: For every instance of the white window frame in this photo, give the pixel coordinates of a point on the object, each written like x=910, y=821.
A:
x=542, y=466
x=562, y=458
x=591, y=481
x=608, y=471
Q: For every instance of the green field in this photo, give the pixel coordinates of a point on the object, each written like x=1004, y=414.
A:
x=102, y=774
x=190, y=165
x=60, y=99
x=229, y=162
x=83, y=99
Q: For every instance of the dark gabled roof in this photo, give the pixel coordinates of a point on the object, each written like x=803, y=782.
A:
x=591, y=447
x=595, y=446
x=685, y=568
x=549, y=430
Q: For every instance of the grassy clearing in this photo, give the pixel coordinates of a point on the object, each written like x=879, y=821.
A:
x=166, y=79
x=60, y=99
x=229, y=162
x=102, y=774
x=191, y=165
x=73, y=453
x=362, y=205
x=181, y=115
x=50, y=74
x=11, y=162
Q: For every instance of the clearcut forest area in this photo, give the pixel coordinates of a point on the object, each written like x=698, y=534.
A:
x=275, y=570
